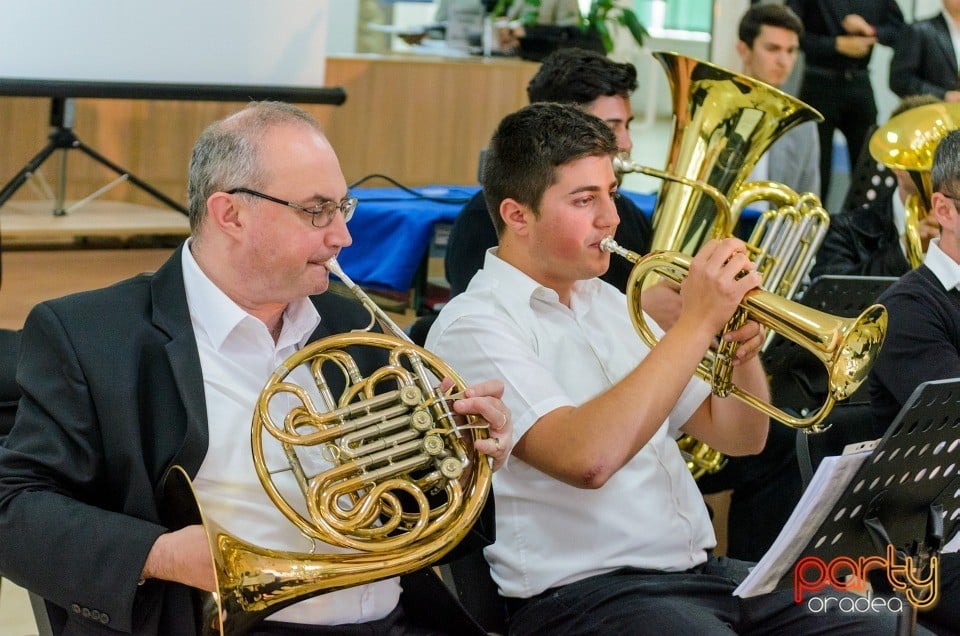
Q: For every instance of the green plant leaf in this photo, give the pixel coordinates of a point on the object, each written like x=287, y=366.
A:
x=601, y=28
x=629, y=19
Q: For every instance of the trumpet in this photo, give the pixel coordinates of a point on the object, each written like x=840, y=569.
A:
x=847, y=347
x=404, y=486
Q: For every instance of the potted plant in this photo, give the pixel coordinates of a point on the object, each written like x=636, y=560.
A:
x=594, y=27
x=603, y=13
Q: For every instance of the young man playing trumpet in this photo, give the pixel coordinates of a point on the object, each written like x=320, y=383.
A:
x=600, y=527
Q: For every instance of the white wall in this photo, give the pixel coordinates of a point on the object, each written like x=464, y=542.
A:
x=174, y=41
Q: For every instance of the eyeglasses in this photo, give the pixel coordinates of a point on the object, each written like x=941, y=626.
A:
x=321, y=215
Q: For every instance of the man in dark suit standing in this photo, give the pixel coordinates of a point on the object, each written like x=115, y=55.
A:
x=925, y=59
x=122, y=383
x=838, y=40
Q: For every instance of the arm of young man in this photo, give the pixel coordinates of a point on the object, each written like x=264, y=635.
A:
x=585, y=444
x=729, y=424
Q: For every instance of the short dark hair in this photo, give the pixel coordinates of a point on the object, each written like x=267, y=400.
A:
x=528, y=147
x=775, y=15
x=945, y=175
x=913, y=101
x=577, y=76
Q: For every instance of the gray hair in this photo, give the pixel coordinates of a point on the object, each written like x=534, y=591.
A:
x=227, y=153
x=945, y=175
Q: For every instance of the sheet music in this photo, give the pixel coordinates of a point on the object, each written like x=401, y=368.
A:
x=828, y=484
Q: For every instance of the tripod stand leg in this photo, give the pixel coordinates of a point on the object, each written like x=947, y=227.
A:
x=61, y=200
x=21, y=177
x=130, y=177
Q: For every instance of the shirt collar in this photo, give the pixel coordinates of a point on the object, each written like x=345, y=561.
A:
x=522, y=290
x=217, y=315
x=943, y=267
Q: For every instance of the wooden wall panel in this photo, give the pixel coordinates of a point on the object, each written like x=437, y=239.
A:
x=419, y=120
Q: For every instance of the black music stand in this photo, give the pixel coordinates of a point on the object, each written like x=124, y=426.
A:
x=906, y=493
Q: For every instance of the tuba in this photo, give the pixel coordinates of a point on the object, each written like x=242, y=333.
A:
x=405, y=486
x=907, y=142
x=847, y=347
x=723, y=123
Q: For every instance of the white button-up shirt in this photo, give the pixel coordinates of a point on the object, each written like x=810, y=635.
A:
x=650, y=514
x=237, y=356
x=943, y=267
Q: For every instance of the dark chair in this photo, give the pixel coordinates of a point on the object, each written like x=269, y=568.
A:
x=9, y=391
x=474, y=586
x=420, y=327
x=870, y=181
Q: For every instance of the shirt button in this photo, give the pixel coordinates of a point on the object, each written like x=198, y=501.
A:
x=85, y=612
x=75, y=608
x=104, y=618
x=95, y=615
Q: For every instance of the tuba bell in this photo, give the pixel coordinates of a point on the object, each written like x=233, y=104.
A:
x=723, y=123
x=404, y=487
x=846, y=347
x=907, y=142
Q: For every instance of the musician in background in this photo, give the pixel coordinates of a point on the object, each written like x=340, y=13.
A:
x=602, y=87
x=925, y=58
x=870, y=241
x=838, y=40
x=923, y=339
x=768, y=46
x=165, y=369
x=600, y=527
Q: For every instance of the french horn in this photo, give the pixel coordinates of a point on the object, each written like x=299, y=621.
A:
x=907, y=142
x=403, y=487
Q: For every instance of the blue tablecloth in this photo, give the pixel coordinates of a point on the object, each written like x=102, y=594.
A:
x=392, y=230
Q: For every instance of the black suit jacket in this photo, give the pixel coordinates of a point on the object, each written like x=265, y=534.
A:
x=862, y=242
x=924, y=61
x=473, y=234
x=112, y=398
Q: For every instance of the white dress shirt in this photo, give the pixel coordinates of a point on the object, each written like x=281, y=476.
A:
x=943, y=267
x=237, y=356
x=650, y=514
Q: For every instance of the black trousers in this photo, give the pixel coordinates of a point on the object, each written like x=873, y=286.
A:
x=394, y=624
x=845, y=99
x=697, y=601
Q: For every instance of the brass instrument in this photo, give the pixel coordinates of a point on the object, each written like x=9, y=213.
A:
x=405, y=486
x=907, y=142
x=847, y=347
x=723, y=123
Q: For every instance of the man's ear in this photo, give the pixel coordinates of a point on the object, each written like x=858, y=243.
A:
x=942, y=209
x=743, y=51
x=223, y=211
x=515, y=216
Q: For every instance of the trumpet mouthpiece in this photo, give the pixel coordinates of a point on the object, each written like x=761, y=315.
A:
x=609, y=245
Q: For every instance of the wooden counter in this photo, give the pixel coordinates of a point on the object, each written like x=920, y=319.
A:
x=420, y=120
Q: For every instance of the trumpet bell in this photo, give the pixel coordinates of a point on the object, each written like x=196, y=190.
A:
x=847, y=347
